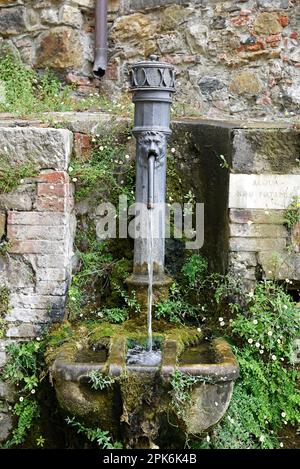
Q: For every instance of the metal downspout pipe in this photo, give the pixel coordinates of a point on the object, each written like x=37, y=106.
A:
x=100, y=61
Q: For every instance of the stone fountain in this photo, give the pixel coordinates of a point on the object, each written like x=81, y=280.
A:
x=140, y=398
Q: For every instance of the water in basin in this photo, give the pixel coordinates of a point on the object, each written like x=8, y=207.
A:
x=202, y=353
x=92, y=355
x=139, y=354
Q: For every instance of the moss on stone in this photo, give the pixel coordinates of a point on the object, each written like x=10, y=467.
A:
x=65, y=340
x=4, y=308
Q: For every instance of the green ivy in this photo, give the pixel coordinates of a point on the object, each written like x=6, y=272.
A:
x=100, y=381
x=266, y=396
x=94, y=435
x=292, y=214
x=24, y=369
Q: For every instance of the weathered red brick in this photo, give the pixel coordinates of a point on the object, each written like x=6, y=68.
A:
x=273, y=38
x=50, y=204
x=77, y=80
x=54, y=178
x=35, y=218
x=239, y=20
x=254, y=47
x=283, y=20
x=245, y=12
x=264, y=100
x=83, y=144
x=36, y=247
x=57, y=190
x=113, y=71
x=31, y=232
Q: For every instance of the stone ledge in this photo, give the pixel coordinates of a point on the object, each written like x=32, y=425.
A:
x=45, y=148
x=257, y=244
x=257, y=230
x=259, y=216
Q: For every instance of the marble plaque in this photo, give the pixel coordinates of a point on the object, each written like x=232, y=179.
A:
x=263, y=191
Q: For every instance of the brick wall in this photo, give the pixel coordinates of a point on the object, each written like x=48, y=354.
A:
x=37, y=221
x=265, y=176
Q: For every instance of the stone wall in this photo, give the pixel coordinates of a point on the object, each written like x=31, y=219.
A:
x=37, y=228
x=237, y=58
x=246, y=202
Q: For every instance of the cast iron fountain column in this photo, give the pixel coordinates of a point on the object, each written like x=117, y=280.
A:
x=152, y=85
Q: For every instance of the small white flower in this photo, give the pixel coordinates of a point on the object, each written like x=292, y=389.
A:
x=255, y=321
x=283, y=414
x=285, y=422
x=274, y=357
x=282, y=359
x=208, y=438
x=278, y=341
x=21, y=399
x=216, y=404
x=281, y=445
x=222, y=323
x=38, y=339
x=198, y=329
x=32, y=391
x=173, y=150
x=22, y=181
x=221, y=319
x=270, y=333
x=250, y=341
x=257, y=344
x=127, y=157
x=262, y=438
x=261, y=352
x=74, y=179
x=80, y=315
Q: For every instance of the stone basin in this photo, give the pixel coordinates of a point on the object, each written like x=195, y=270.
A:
x=212, y=363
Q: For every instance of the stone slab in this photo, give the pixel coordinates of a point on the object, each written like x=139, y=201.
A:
x=263, y=191
x=45, y=148
x=257, y=244
x=257, y=230
x=258, y=216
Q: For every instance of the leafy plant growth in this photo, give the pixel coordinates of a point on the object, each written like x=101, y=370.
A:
x=24, y=369
x=12, y=174
x=94, y=435
x=100, y=381
x=24, y=91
